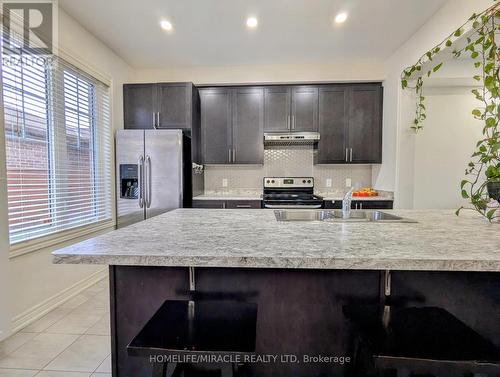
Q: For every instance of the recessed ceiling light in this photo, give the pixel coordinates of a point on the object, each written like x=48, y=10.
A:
x=252, y=22
x=341, y=18
x=166, y=25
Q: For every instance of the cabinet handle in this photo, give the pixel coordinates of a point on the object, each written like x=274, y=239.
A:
x=154, y=121
x=229, y=155
x=243, y=206
x=224, y=205
x=360, y=205
x=351, y=154
x=293, y=122
x=158, y=123
x=234, y=155
x=347, y=155
x=140, y=163
x=288, y=126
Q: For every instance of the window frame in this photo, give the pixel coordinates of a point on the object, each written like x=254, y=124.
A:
x=79, y=232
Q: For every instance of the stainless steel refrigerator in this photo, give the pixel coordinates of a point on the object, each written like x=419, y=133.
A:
x=153, y=173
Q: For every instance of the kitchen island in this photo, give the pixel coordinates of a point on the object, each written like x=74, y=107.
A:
x=300, y=274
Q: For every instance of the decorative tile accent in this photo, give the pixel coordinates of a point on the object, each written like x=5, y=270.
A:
x=289, y=161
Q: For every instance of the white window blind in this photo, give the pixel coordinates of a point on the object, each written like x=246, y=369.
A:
x=58, y=147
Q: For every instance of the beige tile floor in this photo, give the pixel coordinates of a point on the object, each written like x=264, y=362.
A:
x=70, y=341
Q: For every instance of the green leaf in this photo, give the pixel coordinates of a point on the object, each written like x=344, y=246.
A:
x=491, y=213
x=457, y=212
x=465, y=195
x=477, y=64
x=449, y=43
x=463, y=183
x=436, y=68
x=490, y=122
x=477, y=78
x=476, y=113
x=474, y=55
x=476, y=24
x=458, y=33
x=404, y=83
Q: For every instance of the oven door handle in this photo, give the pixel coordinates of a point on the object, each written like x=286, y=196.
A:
x=278, y=206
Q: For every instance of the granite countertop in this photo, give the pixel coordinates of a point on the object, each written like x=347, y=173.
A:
x=336, y=195
x=254, y=239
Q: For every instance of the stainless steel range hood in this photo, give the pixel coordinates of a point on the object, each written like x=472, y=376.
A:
x=291, y=138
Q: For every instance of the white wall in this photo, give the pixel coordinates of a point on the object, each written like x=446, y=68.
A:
x=32, y=279
x=335, y=71
x=444, y=147
x=397, y=172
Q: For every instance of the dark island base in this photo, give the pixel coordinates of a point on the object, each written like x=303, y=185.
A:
x=299, y=311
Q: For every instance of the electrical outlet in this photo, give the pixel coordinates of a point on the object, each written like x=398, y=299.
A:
x=224, y=182
x=329, y=182
x=348, y=182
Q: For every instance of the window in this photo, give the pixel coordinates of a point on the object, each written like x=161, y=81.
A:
x=58, y=147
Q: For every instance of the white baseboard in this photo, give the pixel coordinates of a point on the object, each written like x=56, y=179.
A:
x=38, y=311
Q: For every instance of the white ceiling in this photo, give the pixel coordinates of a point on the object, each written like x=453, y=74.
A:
x=213, y=32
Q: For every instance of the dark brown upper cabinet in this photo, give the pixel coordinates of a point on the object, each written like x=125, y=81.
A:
x=304, y=108
x=350, y=124
x=232, y=123
x=164, y=105
x=333, y=120
x=365, y=124
x=277, y=103
x=216, y=125
x=248, y=125
x=139, y=106
x=291, y=109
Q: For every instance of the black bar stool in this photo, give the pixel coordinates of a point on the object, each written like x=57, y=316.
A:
x=426, y=341
x=184, y=335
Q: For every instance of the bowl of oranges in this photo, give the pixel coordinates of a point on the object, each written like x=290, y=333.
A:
x=365, y=192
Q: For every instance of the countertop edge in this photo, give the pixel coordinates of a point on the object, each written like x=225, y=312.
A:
x=284, y=263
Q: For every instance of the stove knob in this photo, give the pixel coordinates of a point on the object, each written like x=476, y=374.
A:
x=304, y=181
x=272, y=181
x=309, y=181
x=268, y=181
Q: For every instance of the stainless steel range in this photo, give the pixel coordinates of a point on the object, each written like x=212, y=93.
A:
x=291, y=193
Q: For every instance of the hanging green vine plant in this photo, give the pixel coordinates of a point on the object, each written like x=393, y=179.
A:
x=482, y=180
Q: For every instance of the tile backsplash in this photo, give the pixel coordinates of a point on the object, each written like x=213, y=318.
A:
x=291, y=161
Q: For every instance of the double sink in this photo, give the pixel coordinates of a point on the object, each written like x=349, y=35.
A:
x=337, y=216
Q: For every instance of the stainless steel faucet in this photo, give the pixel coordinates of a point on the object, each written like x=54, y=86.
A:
x=346, y=204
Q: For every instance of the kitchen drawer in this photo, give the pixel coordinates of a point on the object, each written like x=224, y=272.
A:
x=209, y=204
x=244, y=204
x=230, y=204
x=361, y=204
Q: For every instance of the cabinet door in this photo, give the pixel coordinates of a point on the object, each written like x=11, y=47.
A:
x=277, y=102
x=216, y=125
x=365, y=123
x=244, y=204
x=139, y=106
x=304, y=108
x=248, y=126
x=332, y=125
x=174, y=105
x=209, y=204
x=375, y=204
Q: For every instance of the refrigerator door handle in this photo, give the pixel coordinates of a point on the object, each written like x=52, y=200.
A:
x=148, y=182
x=140, y=163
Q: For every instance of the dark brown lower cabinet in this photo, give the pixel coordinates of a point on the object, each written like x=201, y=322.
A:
x=229, y=204
x=360, y=204
x=299, y=312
